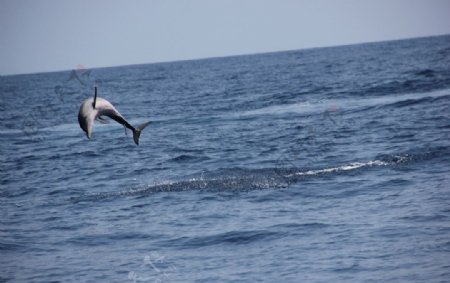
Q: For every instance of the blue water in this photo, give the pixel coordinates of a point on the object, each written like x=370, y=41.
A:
x=319, y=165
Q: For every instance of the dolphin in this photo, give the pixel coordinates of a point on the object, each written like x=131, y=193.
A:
x=96, y=108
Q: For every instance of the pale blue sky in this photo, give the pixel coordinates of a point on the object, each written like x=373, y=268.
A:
x=49, y=35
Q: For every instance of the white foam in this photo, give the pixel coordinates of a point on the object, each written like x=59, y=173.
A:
x=351, y=166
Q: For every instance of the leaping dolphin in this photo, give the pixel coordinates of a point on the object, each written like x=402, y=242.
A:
x=95, y=108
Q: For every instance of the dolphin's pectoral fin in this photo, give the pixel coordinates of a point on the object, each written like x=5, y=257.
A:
x=126, y=133
x=102, y=120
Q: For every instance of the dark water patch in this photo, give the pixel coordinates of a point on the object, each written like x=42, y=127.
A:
x=188, y=158
x=410, y=102
x=106, y=239
x=6, y=245
x=426, y=73
x=425, y=218
x=295, y=226
x=391, y=184
x=228, y=238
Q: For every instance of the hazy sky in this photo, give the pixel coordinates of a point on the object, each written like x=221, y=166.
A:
x=49, y=35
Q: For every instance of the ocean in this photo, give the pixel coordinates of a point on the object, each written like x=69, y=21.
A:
x=316, y=165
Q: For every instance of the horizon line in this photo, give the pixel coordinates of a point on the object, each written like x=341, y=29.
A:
x=224, y=56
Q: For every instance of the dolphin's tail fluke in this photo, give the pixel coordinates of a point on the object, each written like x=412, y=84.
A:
x=137, y=132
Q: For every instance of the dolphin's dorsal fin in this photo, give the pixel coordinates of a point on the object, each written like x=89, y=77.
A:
x=95, y=97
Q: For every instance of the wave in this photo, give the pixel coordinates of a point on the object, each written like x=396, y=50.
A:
x=232, y=237
x=345, y=103
x=241, y=179
x=238, y=237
